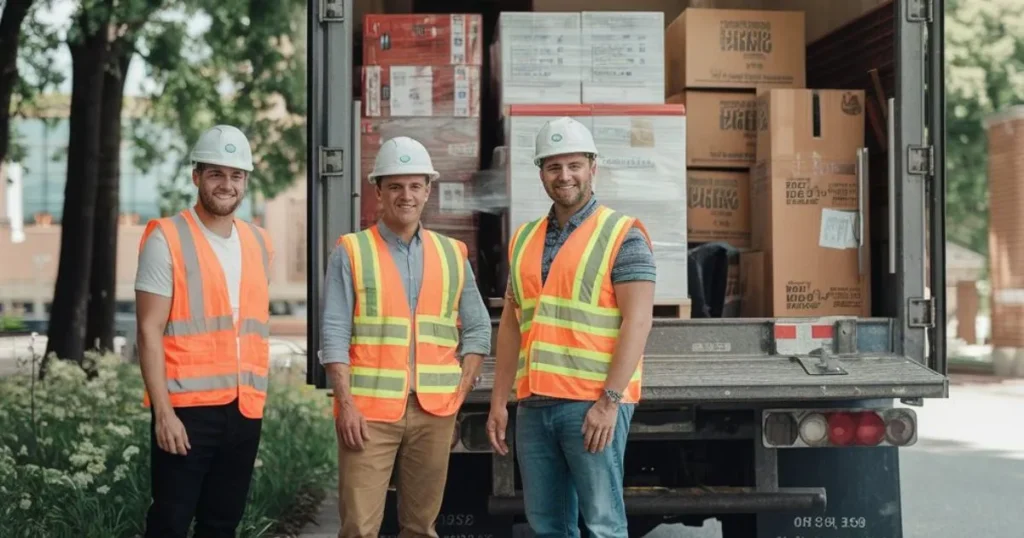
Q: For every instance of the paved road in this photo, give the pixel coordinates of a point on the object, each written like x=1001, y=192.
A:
x=965, y=477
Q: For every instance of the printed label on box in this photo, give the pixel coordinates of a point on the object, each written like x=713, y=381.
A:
x=412, y=90
x=451, y=197
x=838, y=229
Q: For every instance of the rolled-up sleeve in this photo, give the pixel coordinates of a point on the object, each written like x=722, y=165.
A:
x=476, y=321
x=338, y=305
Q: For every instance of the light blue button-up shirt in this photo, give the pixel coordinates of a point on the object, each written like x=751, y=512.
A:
x=339, y=301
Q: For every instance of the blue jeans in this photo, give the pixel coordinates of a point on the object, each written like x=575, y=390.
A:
x=561, y=478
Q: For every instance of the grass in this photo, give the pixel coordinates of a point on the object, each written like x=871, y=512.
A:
x=74, y=454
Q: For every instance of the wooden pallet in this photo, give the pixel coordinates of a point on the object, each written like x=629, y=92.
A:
x=678, y=309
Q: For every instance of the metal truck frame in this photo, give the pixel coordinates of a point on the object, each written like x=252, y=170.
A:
x=753, y=381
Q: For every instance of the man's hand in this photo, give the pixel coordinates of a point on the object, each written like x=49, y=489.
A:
x=497, y=421
x=470, y=370
x=170, y=433
x=599, y=424
x=351, y=426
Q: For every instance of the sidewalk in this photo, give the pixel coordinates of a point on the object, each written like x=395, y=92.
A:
x=328, y=522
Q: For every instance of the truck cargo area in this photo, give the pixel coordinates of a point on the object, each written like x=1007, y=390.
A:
x=799, y=235
x=717, y=341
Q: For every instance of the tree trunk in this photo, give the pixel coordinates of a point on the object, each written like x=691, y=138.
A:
x=71, y=293
x=103, y=275
x=10, y=33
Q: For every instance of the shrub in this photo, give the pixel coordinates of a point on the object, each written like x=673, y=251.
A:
x=74, y=453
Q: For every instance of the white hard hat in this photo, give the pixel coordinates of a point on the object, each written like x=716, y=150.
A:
x=562, y=136
x=223, y=145
x=402, y=156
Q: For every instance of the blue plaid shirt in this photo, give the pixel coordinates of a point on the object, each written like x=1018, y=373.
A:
x=634, y=261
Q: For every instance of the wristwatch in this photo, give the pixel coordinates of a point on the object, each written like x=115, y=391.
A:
x=615, y=397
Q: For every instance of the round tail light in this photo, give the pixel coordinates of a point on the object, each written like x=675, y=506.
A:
x=842, y=428
x=899, y=428
x=870, y=429
x=814, y=429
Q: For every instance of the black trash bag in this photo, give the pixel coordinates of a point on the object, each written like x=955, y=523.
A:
x=708, y=266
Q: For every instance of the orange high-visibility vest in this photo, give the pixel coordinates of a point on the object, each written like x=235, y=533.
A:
x=381, y=327
x=569, y=325
x=209, y=359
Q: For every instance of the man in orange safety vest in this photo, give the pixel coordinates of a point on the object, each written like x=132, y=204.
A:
x=577, y=314
x=202, y=296
x=395, y=295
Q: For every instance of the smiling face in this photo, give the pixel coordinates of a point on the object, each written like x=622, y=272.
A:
x=568, y=179
x=221, y=188
x=402, y=199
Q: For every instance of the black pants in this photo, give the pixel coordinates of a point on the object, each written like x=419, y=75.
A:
x=209, y=483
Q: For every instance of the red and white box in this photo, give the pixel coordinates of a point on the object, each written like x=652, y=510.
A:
x=417, y=39
x=421, y=90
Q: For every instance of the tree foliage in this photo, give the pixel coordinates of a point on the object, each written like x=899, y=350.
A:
x=984, y=74
x=247, y=69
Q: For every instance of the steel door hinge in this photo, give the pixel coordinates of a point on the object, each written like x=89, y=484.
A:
x=920, y=313
x=332, y=10
x=921, y=160
x=919, y=11
x=332, y=161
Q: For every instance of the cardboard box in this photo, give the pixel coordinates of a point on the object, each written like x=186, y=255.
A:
x=417, y=39
x=722, y=128
x=623, y=57
x=641, y=171
x=809, y=204
x=752, y=285
x=453, y=144
x=718, y=203
x=421, y=90
x=733, y=48
x=540, y=58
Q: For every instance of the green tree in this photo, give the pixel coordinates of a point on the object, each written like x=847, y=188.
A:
x=984, y=74
x=102, y=40
x=247, y=69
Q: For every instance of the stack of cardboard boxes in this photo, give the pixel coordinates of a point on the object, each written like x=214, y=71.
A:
x=606, y=70
x=771, y=165
x=421, y=78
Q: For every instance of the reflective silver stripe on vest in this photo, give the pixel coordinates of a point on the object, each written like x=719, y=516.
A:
x=437, y=330
x=216, y=382
x=200, y=323
x=263, y=249
x=577, y=315
x=193, y=272
x=439, y=380
x=382, y=330
x=254, y=326
x=199, y=326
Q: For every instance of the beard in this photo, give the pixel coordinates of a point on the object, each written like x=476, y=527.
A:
x=568, y=197
x=217, y=207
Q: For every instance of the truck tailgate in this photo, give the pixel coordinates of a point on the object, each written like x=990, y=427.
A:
x=726, y=360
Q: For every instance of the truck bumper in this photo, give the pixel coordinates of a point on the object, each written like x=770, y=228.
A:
x=718, y=500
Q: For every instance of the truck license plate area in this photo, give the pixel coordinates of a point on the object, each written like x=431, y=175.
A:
x=839, y=427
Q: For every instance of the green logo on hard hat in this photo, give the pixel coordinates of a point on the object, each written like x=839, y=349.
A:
x=404, y=158
x=556, y=137
x=230, y=148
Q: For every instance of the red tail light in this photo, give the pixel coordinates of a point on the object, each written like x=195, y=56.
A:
x=842, y=428
x=870, y=429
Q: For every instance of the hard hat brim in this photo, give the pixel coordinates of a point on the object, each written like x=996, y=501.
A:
x=223, y=162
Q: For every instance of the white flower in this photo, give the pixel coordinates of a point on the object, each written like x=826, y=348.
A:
x=120, y=472
x=119, y=430
x=96, y=468
x=258, y=463
x=82, y=479
x=129, y=452
x=103, y=490
x=25, y=504
x=85, y=429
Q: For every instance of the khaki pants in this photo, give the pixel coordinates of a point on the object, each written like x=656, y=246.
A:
x=422, y=444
